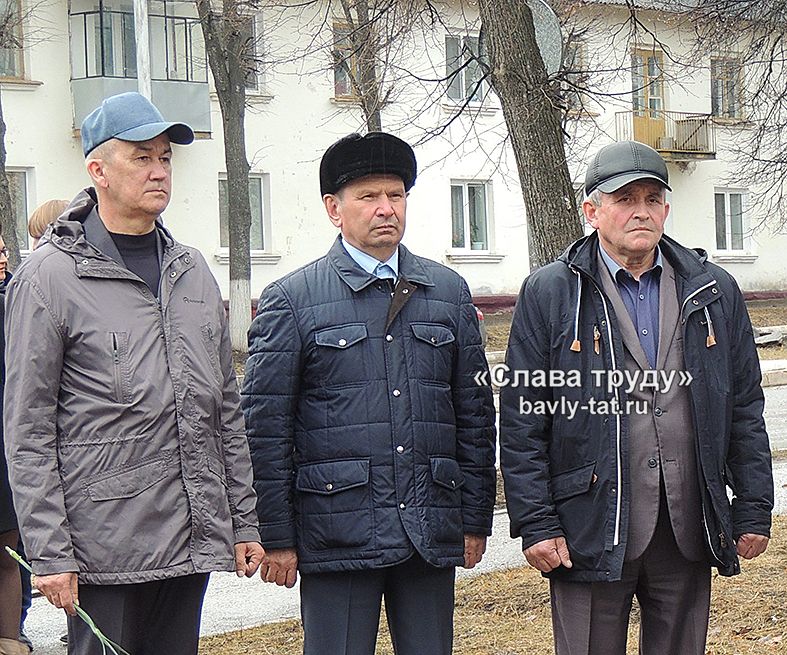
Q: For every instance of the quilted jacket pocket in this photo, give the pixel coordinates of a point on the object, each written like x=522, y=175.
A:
x=334, y=502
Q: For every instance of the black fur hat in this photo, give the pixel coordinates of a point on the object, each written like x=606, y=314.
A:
x=355, y=156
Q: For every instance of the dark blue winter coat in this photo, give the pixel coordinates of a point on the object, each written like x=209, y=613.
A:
x=369, y=435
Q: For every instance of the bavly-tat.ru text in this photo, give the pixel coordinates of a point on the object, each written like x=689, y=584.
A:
x=569, y=408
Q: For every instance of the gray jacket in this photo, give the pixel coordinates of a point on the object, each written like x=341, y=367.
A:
x=125, y=442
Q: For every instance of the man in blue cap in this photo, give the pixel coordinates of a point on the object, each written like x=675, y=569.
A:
x=126, y=449
x=372, y=444
x=616, y=474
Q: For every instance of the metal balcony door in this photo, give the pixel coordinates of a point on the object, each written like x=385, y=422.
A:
x=647, y=95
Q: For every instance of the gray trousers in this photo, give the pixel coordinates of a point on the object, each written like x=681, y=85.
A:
x=149, y=618
x=591, y=618
x=341, y=611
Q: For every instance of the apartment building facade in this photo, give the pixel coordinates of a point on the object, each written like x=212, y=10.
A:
x=466, y=209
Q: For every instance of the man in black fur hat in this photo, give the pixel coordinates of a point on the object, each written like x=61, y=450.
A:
x=373, y=446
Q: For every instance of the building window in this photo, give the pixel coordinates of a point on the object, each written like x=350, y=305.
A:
x=17, y=186
x=464, y=59
x=469, y=224
x=103, y=40
x=345, y=63
x=574, y=75
x=725, y=88
x=252, y=56
x=11, y=60
x=647, y=82
x=259, y=209
x=730, y=206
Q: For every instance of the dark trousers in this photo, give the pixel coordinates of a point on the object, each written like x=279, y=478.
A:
x=341, y=611
x=149, y=618
x=591, y=618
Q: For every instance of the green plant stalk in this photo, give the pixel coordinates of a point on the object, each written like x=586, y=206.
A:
x=106, y=642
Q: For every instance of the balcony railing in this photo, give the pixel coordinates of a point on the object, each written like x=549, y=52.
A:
x=678, y=136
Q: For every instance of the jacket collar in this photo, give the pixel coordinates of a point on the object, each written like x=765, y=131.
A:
x=81, y=232
x=410, y=268
x=688, y=263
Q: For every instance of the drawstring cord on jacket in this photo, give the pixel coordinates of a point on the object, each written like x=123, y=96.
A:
x=575, y=345
x=711, y=340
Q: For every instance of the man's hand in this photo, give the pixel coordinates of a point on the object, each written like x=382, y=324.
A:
x=248, y=556
x=475, y=547
x=280, y=565
x=548, y=554
x=60, y=589
x=750, y=545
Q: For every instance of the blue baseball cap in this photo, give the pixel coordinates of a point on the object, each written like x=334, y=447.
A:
x=129, y=117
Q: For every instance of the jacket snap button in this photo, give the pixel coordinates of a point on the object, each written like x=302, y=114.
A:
x=329, y=486
x=401, y=505
x=173, y=274
x=652, y=462
x=696, y=302
x=714, y=290
x=453, y=483
x=397, y=393
x=433, y=340
x=187, y=260
x=388, y=338
x=84, y=261
x=400, y=449
x=405, y=290
x=342, y=342
x=658, y=411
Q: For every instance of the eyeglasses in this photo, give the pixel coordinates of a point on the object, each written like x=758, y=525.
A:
x=4, y=252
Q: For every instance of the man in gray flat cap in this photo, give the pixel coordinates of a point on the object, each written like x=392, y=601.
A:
x=616, y=472
x=372, y=445
x=126, y=449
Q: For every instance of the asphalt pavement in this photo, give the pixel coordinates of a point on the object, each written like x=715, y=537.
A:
x=236, y=604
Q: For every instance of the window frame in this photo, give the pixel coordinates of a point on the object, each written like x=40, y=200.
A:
x=22, y=218
x=460, y=71
x=18, y=51
x=467, y=245
x=576, y=55
x=745, y=236
x=257, y=74
x=265, y=208
x=727, y=64
x=340, y=48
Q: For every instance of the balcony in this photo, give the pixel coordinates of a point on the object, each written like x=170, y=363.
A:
x=678, y=136
x=104, y=59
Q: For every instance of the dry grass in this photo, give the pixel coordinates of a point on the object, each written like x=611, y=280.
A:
x=507, y=613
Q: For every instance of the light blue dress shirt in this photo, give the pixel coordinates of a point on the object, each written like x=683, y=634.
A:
x=388, y=269
x=641, y=298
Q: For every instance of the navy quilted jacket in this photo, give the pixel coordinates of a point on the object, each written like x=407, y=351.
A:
x=369, y=436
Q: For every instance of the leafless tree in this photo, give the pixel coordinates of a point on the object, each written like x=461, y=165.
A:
x=230, y=52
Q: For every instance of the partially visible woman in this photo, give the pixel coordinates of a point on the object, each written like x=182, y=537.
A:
x=10, y=581
x=42, y=217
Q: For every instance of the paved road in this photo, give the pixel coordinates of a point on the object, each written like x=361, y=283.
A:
x=233, y=604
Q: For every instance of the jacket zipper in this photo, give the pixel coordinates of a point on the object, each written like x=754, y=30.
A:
x=619, y=465
x=118, y=373
x=702, y=500
x=707, y=533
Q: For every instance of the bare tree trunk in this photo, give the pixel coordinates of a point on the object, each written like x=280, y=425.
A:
x=7, y=217
x=225, y=48
x=520, y=81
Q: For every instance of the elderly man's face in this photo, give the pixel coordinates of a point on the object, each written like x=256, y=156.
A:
x=370, y=212
x=630, y=221
x=137, y=176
